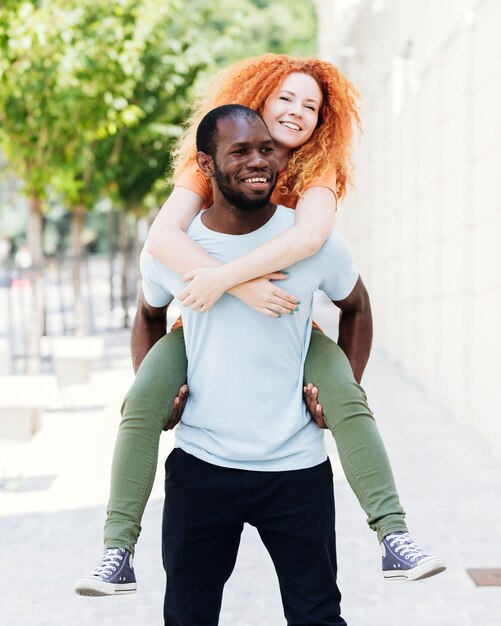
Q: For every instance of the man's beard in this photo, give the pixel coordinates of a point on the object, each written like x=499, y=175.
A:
x=236, y=198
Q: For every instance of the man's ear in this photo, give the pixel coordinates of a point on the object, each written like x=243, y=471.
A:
x=205, y=163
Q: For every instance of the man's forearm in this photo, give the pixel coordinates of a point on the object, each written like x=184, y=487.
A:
x=355, y=328
x=146, y=331
x=355, y=337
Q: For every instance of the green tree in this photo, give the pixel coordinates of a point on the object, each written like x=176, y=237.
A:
x=32, y=128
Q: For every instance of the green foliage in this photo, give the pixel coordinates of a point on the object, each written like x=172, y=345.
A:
x=75, y=74
x=280, y=26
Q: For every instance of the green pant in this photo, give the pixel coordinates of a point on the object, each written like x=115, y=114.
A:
x=147, y=406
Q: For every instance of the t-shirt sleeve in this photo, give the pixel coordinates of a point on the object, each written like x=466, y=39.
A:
x=155, y=291
x=328, y=180
x=340, y=273
x=192, y=178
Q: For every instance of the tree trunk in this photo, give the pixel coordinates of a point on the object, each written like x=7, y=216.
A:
x=125, y=252
x=35, y=328
x=141, y=228
x=111, y=254
x=77, y=223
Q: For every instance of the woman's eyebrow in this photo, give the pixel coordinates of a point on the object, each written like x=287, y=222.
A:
x=291, y=93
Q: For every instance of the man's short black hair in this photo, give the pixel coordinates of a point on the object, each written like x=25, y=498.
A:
x=207, y=129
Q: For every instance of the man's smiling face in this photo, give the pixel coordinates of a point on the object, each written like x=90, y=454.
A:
x=245, y=165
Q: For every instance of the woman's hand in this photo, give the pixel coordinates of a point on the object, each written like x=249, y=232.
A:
x=206, y=285
x=266, y=297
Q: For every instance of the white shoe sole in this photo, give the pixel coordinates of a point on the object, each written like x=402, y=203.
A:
x=92, y=587
x=434, y=565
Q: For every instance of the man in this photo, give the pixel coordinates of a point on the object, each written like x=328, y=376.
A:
x=255, y=457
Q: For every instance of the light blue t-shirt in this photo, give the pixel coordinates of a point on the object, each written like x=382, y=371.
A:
x=245, y=370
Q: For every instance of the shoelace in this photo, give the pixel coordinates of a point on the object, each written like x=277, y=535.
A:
x=404, y=546
x=109, y=563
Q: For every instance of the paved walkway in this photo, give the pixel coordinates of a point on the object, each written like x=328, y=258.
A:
x=52, y=503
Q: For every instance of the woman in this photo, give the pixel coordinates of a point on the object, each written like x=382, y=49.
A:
x=310, y=109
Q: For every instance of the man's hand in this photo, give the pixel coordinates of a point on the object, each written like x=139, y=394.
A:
x=310, y=394
x=177, y=408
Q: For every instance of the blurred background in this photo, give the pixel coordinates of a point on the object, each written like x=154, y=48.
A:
x=425, y=218
x=93, y=95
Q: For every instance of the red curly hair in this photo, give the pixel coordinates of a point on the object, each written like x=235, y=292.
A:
x=252, y=81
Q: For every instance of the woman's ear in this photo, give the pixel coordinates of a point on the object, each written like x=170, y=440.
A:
x=206, y=164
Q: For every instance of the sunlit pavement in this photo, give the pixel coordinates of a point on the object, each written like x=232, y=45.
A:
x=54, y=488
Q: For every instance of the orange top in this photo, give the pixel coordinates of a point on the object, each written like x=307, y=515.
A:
x=194, y=179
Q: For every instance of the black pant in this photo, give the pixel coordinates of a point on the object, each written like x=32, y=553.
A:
x=204, y=513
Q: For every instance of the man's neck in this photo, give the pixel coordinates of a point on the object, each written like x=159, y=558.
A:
x=223, y=217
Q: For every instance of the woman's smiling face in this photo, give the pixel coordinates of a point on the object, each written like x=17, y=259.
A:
x=291, y=112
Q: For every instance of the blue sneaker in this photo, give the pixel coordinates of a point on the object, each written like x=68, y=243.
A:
x=402, y=558
x=113, y=576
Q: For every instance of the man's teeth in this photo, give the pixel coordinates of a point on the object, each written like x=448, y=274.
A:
x=256, y=180
x=291, y=125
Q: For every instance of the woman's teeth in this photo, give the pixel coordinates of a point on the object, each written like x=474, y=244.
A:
x=290, y=125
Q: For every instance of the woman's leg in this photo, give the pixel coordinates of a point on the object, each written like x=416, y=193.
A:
x=145, y=410
x=361, y=449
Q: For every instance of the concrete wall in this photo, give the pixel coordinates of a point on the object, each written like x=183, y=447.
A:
x=424, y=220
